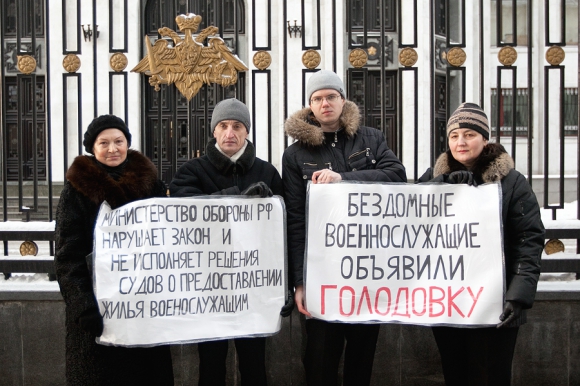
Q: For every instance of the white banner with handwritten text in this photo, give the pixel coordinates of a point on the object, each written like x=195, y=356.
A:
x=422, y=254
x=190, y=269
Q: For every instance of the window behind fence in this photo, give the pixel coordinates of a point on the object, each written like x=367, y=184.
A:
x=506, y=117
x=571, y=111
x=502, y=115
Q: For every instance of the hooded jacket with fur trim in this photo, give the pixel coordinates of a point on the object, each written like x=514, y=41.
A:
x=88, y=185
x=357, y=153
x=523, y=231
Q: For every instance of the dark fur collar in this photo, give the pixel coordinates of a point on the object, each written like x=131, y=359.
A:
x=300, y=127
x=91, y=180
x=493, y=164
x=224, y=164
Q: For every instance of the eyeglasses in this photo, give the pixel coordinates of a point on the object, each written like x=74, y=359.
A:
x=329, y=98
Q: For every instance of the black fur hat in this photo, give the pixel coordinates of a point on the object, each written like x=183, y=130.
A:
x=101, y=123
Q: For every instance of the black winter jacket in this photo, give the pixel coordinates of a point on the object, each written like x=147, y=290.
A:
x=87, y=186
x=357, y=153
x=214, y=173
x=523, y=231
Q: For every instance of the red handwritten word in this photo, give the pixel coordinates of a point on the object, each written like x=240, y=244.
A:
x=435, y=300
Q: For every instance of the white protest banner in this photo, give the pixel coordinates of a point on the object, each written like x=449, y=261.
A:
x=421, y=254
x=172, y=270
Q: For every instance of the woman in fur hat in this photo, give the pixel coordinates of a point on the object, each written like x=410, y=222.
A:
x=118, y=175
x=483, y=356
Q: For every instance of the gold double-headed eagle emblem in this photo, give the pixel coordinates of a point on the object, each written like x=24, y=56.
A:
x=189, y=63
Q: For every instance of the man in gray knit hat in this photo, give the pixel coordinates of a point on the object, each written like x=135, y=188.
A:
x=230, y=125
x=230, y=167
x=331, y=146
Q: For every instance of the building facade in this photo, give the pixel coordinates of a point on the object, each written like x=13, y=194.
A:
x=407, y=65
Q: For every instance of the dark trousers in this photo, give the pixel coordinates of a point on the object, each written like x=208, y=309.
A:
x=251, y=361
x=324, y=347
x=476, y=356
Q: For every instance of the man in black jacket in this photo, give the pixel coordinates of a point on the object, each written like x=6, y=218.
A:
x=331, y=146
x=230, y=167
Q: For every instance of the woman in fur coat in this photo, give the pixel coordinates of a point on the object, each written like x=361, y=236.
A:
x=117, y=175
x=483, y=356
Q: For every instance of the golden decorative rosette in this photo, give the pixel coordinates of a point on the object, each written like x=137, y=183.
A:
x=456, y=56
x=28, y=248
x=408, y=57
x=262, y=60
x=507, y=55
x=118, y=62
x=26, y=64
x=71, y=63
x=358, y=57
x=555, y=55
x=311, y=59
x=554, y=246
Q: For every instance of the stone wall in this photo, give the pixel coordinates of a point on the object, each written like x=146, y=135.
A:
x=32, y=347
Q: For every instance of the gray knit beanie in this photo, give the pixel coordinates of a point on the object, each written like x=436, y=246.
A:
x=104, y=122
x=469, y=116
x=231, y=109
x=324, y=79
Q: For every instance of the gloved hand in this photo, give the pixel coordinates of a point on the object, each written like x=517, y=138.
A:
x=439, y=178
x=461, y=177
x=258, y=189
x=289, y=306
x=511, y=312
x=91, y=321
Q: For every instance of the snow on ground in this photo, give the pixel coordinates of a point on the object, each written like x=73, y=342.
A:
x=566, y=217
x=27, y=226
x=19, y=282
x=28, y=281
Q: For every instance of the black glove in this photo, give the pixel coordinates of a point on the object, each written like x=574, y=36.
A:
x=439, y=178
x=258, y=189
x=289, y=306
x=91, y=321
x=461, y=177
x=511, y=312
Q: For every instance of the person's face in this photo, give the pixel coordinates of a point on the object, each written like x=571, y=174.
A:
x=230, y=136
x=466, y=145
x=110, y=147
x=327, y=112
